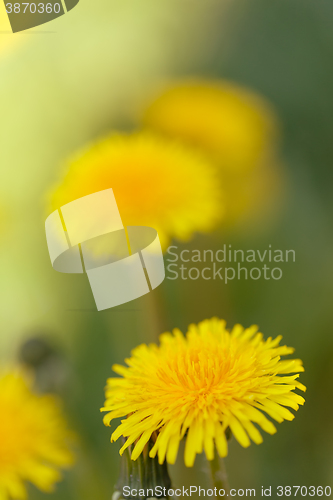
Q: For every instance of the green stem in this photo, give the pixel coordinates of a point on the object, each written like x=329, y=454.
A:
x=219, y=474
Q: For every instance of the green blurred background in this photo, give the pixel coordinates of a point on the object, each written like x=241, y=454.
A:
x=67, y=83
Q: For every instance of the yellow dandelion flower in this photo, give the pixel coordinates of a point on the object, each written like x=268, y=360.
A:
x=234, y=124
x=199, y=386
x=236, y=128
x=33, y=438
x=156, y=182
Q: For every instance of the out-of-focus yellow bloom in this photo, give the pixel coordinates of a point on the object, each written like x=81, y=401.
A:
x=234, y=126
x=7, y=38
x=224, y=119
x=157, y=182
x=201, y=385
x=33, y=438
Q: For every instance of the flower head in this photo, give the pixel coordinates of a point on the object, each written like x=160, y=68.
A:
x=156, y=182
x=33, y=438
x=236, y=128
x=232, y=123
x=201, y=385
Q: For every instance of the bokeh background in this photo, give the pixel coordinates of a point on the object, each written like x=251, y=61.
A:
x=67, y=83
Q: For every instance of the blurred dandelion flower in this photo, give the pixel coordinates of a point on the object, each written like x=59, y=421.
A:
x=201, y=385
x=237, y=126
x=233, y=125
x=33, y=438
x=157, y=182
